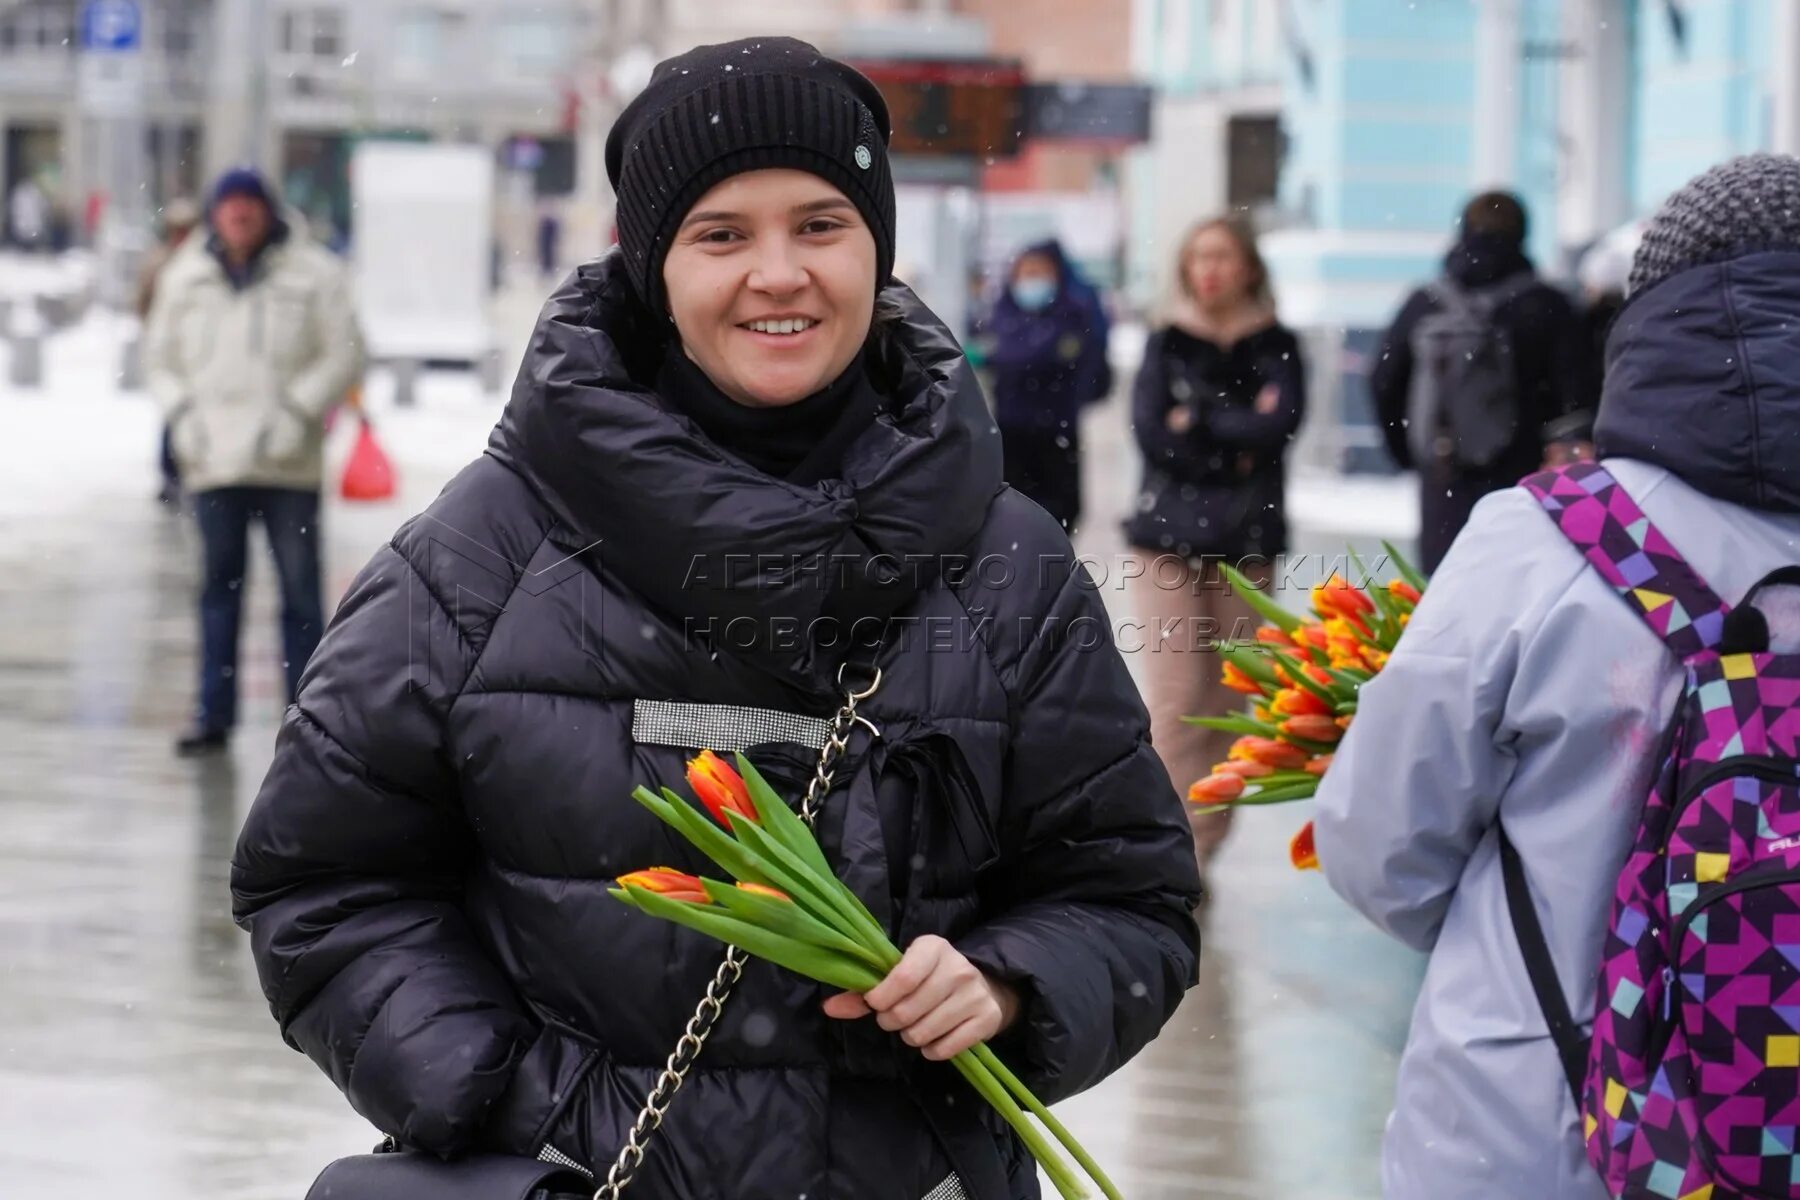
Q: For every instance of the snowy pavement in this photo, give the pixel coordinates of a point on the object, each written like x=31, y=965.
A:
x=136, y=1054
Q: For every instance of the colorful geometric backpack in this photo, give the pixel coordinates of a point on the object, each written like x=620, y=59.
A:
x=1689, y=1087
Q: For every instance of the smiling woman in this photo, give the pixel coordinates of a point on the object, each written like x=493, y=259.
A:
x=771, y=285
x=427, y=871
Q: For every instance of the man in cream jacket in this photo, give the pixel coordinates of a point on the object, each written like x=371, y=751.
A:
x=250, y=342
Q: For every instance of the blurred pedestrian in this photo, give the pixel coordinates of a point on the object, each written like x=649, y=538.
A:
x=179, y=217
x=1528, y=703
x=1474, y=367
x=425, y=873
x=1045, y=344
x=1220, y=395
x=251, y=340
x=28, y=213
x=549, y=240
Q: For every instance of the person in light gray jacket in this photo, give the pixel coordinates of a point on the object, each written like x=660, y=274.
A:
x=251, y=339
x=1526, y=691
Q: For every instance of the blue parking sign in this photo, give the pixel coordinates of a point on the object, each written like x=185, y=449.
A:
x=111, y=26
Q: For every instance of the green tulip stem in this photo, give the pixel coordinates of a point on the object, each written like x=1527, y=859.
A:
x=984, y=1055
x=996, y=1094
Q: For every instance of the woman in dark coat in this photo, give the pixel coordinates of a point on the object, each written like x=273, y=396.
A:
x=1047, y=350
x=726, y=474
x=1220, y=395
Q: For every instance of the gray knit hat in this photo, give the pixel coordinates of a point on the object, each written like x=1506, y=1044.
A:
x=1744, y=203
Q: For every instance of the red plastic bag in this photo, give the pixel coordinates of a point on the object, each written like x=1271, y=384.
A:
x=369, y=475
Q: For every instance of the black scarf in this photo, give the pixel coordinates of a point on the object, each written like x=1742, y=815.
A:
x=802, y=442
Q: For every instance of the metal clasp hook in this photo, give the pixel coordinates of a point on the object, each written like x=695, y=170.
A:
x=866, y=692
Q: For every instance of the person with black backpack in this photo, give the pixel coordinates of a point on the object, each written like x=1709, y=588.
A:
x=1576, y=783
x=1474, y=367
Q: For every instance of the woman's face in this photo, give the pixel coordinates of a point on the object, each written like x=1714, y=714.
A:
x=771, y=283
x=1217, y=274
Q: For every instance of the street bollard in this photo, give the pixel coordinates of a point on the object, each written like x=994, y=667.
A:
x=25, y=349
x=406, y=382
x=492, y=372
x=131, y=364
x=25, y=360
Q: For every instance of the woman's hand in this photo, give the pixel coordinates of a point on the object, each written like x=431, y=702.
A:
x=935, y=999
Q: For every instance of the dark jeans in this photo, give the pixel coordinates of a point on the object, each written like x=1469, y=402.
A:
x=290, y=517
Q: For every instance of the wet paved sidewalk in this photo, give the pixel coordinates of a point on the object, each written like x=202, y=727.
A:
x=136, y=1055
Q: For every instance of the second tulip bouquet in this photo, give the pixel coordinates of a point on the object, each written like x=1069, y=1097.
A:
x=1303, y=677
x=785, y=905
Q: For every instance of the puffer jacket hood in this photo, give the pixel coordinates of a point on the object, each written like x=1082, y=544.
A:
x=1480, y=260
x=614, y=460
x=426, y=873
x=1703, y=378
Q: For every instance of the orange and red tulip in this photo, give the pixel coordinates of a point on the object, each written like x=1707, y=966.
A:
x=1336, y=597
x=1269, y=635
x=1237, y=681
x=1216, y=789
x=1313, y=634
x=666, y=881
x=1399, y=589
x=1374, y=659
x=1301, y=852
x=719, y=787
x=1269, y=752
x=1243, y=769
x=757, y=889
x=1295, y=702
x=1314, y=727
x=1318, y=764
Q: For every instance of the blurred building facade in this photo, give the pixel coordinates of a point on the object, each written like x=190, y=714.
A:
x=54, y=125
x=1391, y=114
x=1216, y=70
x=291, y=85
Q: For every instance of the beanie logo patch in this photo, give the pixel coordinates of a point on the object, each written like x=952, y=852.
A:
x=863, y=158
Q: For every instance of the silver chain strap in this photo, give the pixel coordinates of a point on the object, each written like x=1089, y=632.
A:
x=706, y=1016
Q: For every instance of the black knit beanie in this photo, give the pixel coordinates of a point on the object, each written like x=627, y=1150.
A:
x=718, y=111
x=1744, y=204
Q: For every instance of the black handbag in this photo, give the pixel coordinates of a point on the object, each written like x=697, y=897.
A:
x=1193, y=520
x=393, y=1173
x=415, y=1175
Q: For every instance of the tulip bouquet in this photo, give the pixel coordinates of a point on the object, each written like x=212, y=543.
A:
x=1302, y=676
x=788, y=907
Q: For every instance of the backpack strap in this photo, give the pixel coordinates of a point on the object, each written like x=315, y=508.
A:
x=1602, y=520
x=1481, y=302
x=1565, y=1034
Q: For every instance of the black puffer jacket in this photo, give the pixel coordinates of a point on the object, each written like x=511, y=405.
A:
x=424, y=874
x=1218, y=487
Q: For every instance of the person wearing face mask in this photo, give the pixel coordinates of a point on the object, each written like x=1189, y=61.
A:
x=742, y=472
x=1046, y=346
x=1220, y=395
